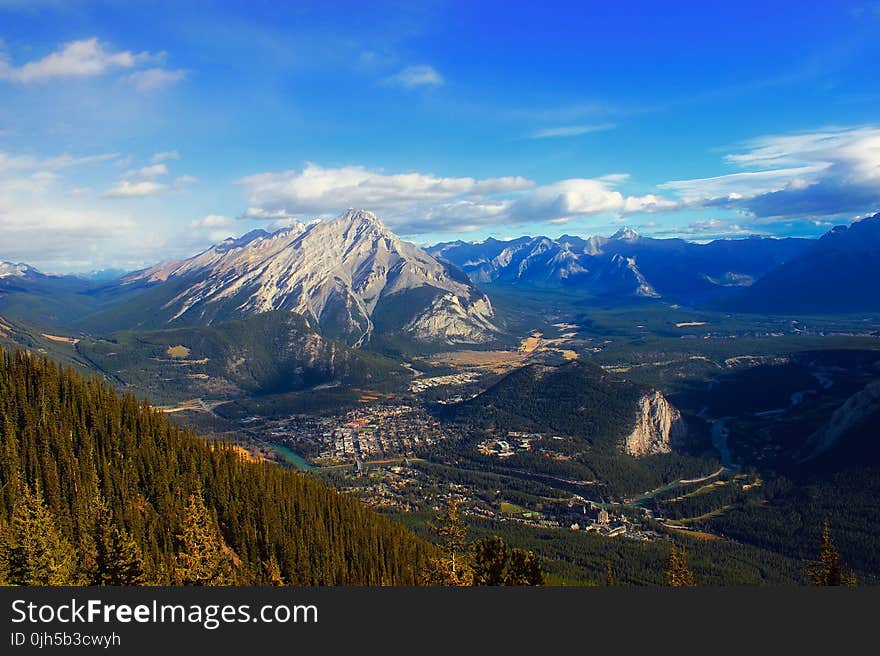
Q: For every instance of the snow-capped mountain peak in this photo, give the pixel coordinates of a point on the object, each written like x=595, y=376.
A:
x=626, y=234
x=15, y=270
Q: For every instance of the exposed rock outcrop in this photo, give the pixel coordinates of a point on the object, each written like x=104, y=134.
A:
x=658, y=426
x=847, y=417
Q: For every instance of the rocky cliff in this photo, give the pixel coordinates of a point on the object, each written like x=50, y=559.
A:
x=855, y=410
x=658, y=426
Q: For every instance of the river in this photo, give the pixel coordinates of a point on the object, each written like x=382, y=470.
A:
x=720, y=433
x=290, y=456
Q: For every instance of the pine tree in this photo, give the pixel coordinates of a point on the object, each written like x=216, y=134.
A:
x=677, y=573
x=4, y=552
x=273, y=572
x=203, y=558
x=524, y=569
x=491, y=558
x=36, y=552
x=450, y=568
x=118, y=559
x=609, y=574
x=827, y=569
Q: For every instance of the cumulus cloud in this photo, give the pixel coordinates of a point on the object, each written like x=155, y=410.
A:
x=568, y=199
x=416, y=76
x=91, y=58
x=570, y=131
x=318, y=190
x=422, y=202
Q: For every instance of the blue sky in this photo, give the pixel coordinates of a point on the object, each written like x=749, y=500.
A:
x=134, y=132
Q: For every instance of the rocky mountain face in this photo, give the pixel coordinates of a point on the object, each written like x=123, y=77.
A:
x=341, y=275
x=658, y=427
x=623, y=265
x=855, y=411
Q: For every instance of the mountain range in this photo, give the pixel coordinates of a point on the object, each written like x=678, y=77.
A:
x=355, y=282
x=836, y=273
x=623, y=265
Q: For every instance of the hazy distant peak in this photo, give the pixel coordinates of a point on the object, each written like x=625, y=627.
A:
x=626, y=233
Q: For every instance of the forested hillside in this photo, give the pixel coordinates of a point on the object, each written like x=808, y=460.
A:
x=100, y=488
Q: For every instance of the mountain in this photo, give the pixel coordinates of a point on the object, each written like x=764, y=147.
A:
x=351, y=278
x=836, y=274
x=623, y=265
x=49, y=300
x=97, y=488
x=578, y=399
x=17, y=270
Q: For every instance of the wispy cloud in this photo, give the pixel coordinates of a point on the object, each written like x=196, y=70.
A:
x=136, y=189
x=85, y=58
x=165, y=155
x=416, y=76
x=154, y=79
x=570, y=131
x=796, y=176
x=147, y=181
x=10, y=162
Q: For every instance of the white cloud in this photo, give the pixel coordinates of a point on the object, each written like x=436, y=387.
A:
x=416, y=203
x=214, y=221
x=830, y=172
x=416, y=76
x=215, y=227
x=29, y=162
x=568, y=199
x=570, y=131
x=85, y=58
x=154, y=79
x=129, y=189
x=736, y=186
x=316, y=190
x=145, y=181
x=47, y=223
x=165, y=155
x=153, y=171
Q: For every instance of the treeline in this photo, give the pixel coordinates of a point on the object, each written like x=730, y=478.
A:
x=99, y=488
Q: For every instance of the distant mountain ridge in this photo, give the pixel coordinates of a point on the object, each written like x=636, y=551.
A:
x=837, y=273
x=623, y=265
